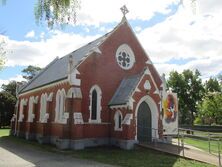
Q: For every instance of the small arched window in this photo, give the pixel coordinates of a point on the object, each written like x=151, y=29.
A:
x=94, y=105
x=118, y=121
x=95, y=96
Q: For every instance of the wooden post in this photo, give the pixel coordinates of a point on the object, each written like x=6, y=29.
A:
x=178, y=140
x=209, y=142
x=219, y=156
x=183, y=143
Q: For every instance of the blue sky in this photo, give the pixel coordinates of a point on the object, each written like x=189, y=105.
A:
x=162, y=27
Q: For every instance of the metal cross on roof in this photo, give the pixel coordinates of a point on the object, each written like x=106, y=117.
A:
x=124, y=10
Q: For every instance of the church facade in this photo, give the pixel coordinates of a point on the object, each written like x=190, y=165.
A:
x=107, y=92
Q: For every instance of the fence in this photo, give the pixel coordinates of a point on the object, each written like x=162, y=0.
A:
x=207, y=141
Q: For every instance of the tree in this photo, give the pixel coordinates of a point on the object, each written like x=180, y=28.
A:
x=7, y=102
x=10, y=88
x=210, y=110
x=56, y=11
x=30, y=72
x=212, y=85
x=188, y=85
x=7, y=105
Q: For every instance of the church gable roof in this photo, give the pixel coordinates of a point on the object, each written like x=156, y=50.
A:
x=58, y=68
x=125, y=90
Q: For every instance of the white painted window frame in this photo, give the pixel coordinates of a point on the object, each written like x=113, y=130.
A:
x=32, y=100
x=127, y=49
x=43, y=109
x=23, y=103
x=116, y=121
x=99, y=107
x=60, y=115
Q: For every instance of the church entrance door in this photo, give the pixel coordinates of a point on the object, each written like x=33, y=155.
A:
x=144, y=122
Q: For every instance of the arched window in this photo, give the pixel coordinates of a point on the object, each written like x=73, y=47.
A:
x=32, y=101
x=22, y=104
x=95, y=108
x=118, y=121
x=43, y=107
x=94, y=105
x=60, y=115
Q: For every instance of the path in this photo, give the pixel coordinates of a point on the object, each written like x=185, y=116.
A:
x=190, y=153
x=19, y=155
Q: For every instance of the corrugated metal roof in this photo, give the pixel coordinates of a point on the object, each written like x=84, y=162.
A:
x=58, y=68
x=125, y=90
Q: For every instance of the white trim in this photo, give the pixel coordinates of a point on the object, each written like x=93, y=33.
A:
x=99, y=107
x=119, y=106
x=73, y=77
x=74, y=93
x=154, y=114
x=77, y=116
x=43, y=107
x=44, y=87
x=96, y=50
x=23, y=103
x=50, y=96
x=149, y=62
x=126, y=49
x=32, y=100
x=60, y=115
x=130, y=103
x=147, y=85
x=127, y=119
x=116, y=120
x=147, y=71
x=137, y=90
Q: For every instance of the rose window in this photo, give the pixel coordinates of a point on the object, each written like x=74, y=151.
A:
x=125, y=57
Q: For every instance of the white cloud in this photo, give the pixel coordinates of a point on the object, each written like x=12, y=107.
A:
x=99, y=11
x=33, y=53
x=30, y=34
x=187, y=36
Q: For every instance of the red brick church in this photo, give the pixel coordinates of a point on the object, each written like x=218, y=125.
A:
x=107, y=92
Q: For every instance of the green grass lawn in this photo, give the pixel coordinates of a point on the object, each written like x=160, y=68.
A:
x=139, y=157
x=4, y=132
x=203, y=144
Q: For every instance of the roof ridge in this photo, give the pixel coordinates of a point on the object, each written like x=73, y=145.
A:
x=36, y=76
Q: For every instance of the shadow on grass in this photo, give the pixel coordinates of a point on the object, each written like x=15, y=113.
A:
x=139, y=157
